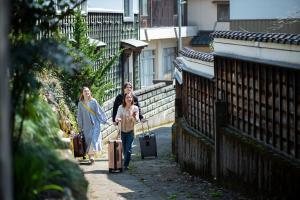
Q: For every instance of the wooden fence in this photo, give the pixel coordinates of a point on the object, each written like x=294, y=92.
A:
x=263, y=102
x=198, y=100
x=242, y=126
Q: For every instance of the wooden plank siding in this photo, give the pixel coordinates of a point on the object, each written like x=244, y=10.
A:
x=194, y=154
x=162, y=13
x=262, y=102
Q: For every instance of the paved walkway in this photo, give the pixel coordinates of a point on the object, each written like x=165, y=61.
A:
x=150, y=179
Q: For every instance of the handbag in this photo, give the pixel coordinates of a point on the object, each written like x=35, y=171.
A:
x=79, y=145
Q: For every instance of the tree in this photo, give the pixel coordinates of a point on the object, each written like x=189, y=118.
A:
x=86, y=74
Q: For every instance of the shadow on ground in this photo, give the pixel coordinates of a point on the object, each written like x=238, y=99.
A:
x=151, y=178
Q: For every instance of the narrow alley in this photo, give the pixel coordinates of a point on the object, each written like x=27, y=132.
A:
x=150, y=179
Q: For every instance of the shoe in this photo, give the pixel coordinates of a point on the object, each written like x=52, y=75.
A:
x=126, y=168
x=92, y=160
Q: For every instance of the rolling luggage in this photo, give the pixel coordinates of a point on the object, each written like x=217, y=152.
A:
x=148, y=143
x=115, y=161
x=79, y=145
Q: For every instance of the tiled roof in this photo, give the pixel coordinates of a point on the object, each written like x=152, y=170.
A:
x=281, y=38
x=187, y=52
x=202, y=38
x=178, y=64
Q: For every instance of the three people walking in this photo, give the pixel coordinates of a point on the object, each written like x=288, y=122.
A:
x=126, y=112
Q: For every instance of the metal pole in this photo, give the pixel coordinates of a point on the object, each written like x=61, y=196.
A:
x=179, y=25
x=5, y=145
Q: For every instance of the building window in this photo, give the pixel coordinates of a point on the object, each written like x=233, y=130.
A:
x=147, y=67
x=62, y=7
x=128, y=10
x=144, y=7
x=168, y=58
x=223, y=12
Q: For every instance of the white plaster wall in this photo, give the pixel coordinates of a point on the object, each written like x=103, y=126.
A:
x=158, y=46
x=110, y=5
x=167, y=32
x=264, y=9
x=281, y=53
x=202, y=13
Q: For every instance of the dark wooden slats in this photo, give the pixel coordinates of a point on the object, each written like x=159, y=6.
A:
x=262, y=101
x=198, y=103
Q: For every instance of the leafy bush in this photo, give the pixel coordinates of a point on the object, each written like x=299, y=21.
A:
x=38, y=171
x=37, y=166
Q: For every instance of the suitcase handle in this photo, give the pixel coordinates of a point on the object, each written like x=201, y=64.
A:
x=143, y=130
x=119, y=130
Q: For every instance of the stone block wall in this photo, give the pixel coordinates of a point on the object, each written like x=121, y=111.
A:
x=157, y=106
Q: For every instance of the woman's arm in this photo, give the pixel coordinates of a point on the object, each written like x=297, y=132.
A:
x=136, y=101
x=117, y=103
x=100, y=114
x=119, y=114
x=136, y=113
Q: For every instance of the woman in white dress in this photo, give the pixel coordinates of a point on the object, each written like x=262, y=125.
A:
x=90, y=115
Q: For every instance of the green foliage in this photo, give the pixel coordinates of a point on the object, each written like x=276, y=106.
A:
x=85, y=74
x=38, y=178
x=34, y=26
x=40, y=125
x=216, y=193
x=32, y=174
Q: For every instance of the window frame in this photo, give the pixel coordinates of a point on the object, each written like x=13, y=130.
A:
x=169, y=54
x=130, y=17
x=220, y=7
x=144, y=58
x=144, y=8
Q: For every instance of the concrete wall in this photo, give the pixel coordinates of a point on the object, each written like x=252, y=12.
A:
x=202, y=13
x=157, y=105
x=111, y=5
x=266, y=9
x=158, y=46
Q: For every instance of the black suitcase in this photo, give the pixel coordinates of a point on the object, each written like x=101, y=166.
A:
x=148, y=143
x=79, y=145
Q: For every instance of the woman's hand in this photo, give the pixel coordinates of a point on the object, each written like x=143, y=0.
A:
x=134, y=114
x=118, y=120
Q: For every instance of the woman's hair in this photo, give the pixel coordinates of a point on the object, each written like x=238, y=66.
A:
x=81, y=98
x=124, y=98
x=127, y=84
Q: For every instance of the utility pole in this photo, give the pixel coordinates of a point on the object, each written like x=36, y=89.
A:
x=179, y=25
x=5, y=141
x=179, y=9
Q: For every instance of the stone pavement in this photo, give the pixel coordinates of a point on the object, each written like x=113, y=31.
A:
x=151, y=178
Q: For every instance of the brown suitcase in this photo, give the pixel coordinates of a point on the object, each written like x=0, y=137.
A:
x=115, y=155
x=79, y=145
